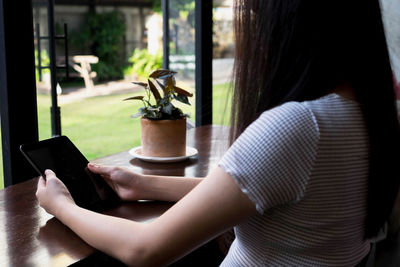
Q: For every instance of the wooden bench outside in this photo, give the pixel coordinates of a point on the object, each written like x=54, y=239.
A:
x=81, y=64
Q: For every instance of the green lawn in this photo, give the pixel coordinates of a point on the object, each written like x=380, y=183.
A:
x=101, y=126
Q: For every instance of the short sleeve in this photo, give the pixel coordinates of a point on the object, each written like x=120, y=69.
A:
x=272, y=159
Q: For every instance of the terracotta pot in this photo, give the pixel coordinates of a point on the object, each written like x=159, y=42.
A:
x=163, y=138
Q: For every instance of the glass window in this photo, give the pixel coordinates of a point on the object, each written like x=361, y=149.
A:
x=107, y=50
x=222, y=60
x=42, y=71
x=182, y=48
x=390, y=15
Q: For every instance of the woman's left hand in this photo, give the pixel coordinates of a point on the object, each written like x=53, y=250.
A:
x=52, y=194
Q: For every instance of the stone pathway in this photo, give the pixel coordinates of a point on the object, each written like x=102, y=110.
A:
x=73, y=94
x=114, y=87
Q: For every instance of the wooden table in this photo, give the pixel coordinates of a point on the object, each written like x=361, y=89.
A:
x=31, y=237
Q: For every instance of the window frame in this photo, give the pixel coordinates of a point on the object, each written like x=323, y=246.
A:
x=18, y=103
x=18, y=106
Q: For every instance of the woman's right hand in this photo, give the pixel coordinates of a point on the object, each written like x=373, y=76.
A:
x=122, y=180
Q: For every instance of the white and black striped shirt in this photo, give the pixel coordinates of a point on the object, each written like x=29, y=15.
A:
x=305, y=166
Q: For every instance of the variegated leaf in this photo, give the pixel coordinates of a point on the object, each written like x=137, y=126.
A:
x=141, y=84
x=162, y=74
x=183, y=92
x=134, y=98
x=154, y=90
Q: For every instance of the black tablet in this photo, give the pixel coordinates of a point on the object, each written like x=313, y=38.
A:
x=89, y=190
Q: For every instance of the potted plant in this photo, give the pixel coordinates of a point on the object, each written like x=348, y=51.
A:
x=163, y=126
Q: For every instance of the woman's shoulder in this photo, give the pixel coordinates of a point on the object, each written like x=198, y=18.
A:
x=289, y=113
x=288, y=123
x=273, y=158
x=296, y=120
x=308, y=111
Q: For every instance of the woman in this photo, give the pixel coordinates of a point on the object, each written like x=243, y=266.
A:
x=311, y=175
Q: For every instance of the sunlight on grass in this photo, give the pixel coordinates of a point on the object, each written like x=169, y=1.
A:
x=221, y=104
x=100, y=126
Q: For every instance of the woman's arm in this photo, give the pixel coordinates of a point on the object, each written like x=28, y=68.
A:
x=167, y=188
x=212, y=207
x=134, y=186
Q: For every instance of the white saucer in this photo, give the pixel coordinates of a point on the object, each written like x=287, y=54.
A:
x=137, y=153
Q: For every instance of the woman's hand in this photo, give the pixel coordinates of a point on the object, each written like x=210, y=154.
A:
x=52, y=194
x=122, y=180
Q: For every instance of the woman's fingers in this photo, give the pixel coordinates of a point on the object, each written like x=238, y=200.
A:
x=49, y=174
x=111, y=184
x=103, y=171
x=41, y=185
x=100, y=169
x=42, y=182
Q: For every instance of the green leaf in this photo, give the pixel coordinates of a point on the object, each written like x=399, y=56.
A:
x=137, y=115
x=134, y=98
x=157, y=109
x=164, y=101
x=182, y=98
x=141, y=112
x=141, y=84
x=152, y=115
x=168, y=108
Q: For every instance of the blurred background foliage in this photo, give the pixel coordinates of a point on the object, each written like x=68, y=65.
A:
x=142, y=63
x=103, y=34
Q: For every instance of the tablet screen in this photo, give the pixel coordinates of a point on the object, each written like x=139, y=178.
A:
x=59, y=154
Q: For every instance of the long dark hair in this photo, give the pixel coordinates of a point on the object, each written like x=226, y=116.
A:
x=296, y=50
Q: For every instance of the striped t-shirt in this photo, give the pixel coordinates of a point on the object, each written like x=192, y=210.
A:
x=305, y=166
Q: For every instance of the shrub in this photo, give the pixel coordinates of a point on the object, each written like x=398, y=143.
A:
x=142, y=63
x=103, y=34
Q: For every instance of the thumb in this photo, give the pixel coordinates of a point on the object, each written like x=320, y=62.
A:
x=99, y=169
x=49, y=174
